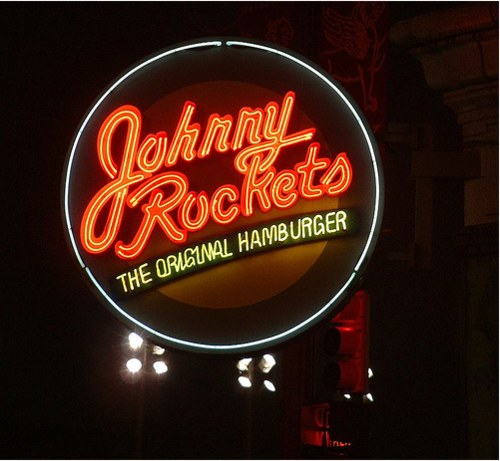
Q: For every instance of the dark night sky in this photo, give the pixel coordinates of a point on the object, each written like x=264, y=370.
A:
x=62, y=394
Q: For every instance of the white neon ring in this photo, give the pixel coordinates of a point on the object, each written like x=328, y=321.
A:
x=250, y=344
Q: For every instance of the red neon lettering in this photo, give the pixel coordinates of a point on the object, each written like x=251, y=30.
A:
x=157, y=211
x=220, y=125
x=342, y=170
x=185, y=137
x=284, y=189
x=185, y=211
x=137, y=181
x=274, y=132
x=219, y=214
x=249, y=124
x=307, y=170
x=115, y=192
x=256, y=187
x=156, y=143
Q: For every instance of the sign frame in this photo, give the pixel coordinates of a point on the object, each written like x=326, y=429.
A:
x=337, y=299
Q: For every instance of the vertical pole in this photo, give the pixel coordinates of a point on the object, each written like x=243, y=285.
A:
x=249, y=418
x=140, y=413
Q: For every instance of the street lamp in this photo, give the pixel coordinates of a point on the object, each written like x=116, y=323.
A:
x=134, y=365
x=250, y=371
x=243, y=364
x=135, y=341
x=267, y=363
x=146, y=357
x=160, y=367
x=157, y=350
x=269, y=386
x=245, y=381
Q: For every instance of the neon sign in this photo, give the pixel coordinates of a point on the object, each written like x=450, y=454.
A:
x=217, y=196
x=263, y=238
x=145, y=171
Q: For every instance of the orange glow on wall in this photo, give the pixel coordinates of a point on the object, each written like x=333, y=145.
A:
x=315, y=428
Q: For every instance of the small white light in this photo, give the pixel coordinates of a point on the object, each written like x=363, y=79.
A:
x=267, y=362
x=157, y=350
x=245, y=381
x=135, y=341
x=134, y=365
x=370, y=373
x=160, y=367
x=269, y=385
x=347, y=396
x=369, y=397
x=243, y=364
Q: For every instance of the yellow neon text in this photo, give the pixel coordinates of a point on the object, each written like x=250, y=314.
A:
x=135, y=278
x=191, y=257
x=306, y=228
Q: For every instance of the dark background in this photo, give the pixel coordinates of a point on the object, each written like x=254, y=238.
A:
x=63, y=393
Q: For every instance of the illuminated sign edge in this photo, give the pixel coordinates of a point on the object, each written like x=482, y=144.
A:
x=367, y=250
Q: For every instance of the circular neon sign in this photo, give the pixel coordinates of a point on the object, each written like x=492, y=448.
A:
x=223, y=195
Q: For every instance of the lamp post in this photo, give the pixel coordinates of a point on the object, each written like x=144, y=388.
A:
x=144, y=360
x=254, y=377
x=252, y=372
x=146, y=357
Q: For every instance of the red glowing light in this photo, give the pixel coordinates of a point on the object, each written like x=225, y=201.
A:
x=115, y=191
x=258, y=138
x=158, y=142
x=231, y=194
